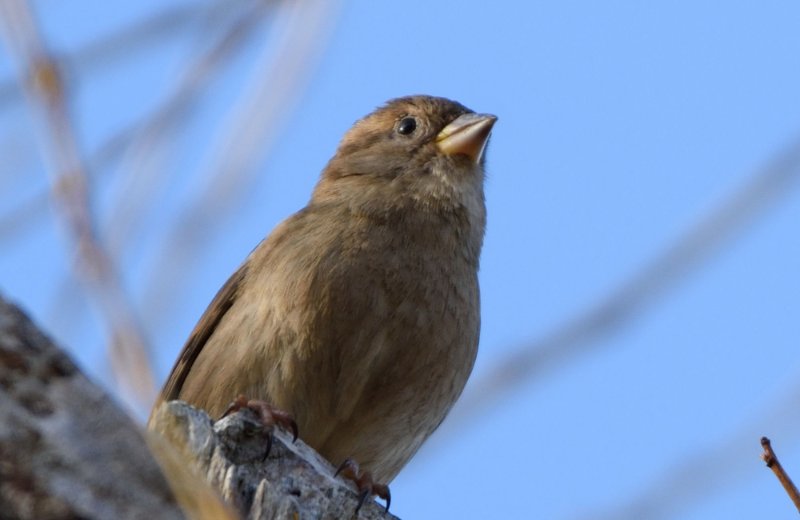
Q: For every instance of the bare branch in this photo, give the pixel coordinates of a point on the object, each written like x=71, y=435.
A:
x=48, y=97
x=67, y=450
x=774, y=464
x=125, y=42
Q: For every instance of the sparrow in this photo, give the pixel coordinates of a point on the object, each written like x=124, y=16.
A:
x=359, y=315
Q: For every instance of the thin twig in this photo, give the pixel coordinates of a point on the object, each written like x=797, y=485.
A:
x=774, y=464
x=48, y=97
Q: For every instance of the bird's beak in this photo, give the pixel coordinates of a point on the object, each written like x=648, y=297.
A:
x=466, y=135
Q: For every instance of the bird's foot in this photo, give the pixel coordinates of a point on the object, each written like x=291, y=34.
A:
x=364, y=483
x=269, y=416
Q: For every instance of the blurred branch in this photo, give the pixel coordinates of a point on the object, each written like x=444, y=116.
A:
x=281, y=73
x=774, y=464
x=113, y=48
x=44, y=86
x=581, y=334
x=143, y=141
x=229, y=29
x=125, y=42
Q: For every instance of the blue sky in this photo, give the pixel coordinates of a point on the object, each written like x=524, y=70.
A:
x=621, y=125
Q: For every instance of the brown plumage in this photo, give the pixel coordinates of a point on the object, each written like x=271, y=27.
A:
x=359, y=314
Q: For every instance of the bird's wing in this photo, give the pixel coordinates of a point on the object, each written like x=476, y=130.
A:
x=216, y=310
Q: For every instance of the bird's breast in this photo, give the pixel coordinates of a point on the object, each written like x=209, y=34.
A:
x=399, y=324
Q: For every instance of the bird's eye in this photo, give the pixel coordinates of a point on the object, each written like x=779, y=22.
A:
x=407, y=126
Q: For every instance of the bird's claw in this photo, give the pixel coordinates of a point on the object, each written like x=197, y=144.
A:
x=366, y=486
x=269, y=416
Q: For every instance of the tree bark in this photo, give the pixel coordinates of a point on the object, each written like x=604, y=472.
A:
x=291, y=481
x=68, y=451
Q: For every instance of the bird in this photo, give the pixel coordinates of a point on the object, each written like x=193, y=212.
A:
x=359, y=315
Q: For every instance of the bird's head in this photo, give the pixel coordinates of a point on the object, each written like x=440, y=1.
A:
x=417, y=153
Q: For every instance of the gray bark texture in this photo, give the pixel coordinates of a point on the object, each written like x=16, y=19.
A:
x=291, y=482
x=67, y=451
